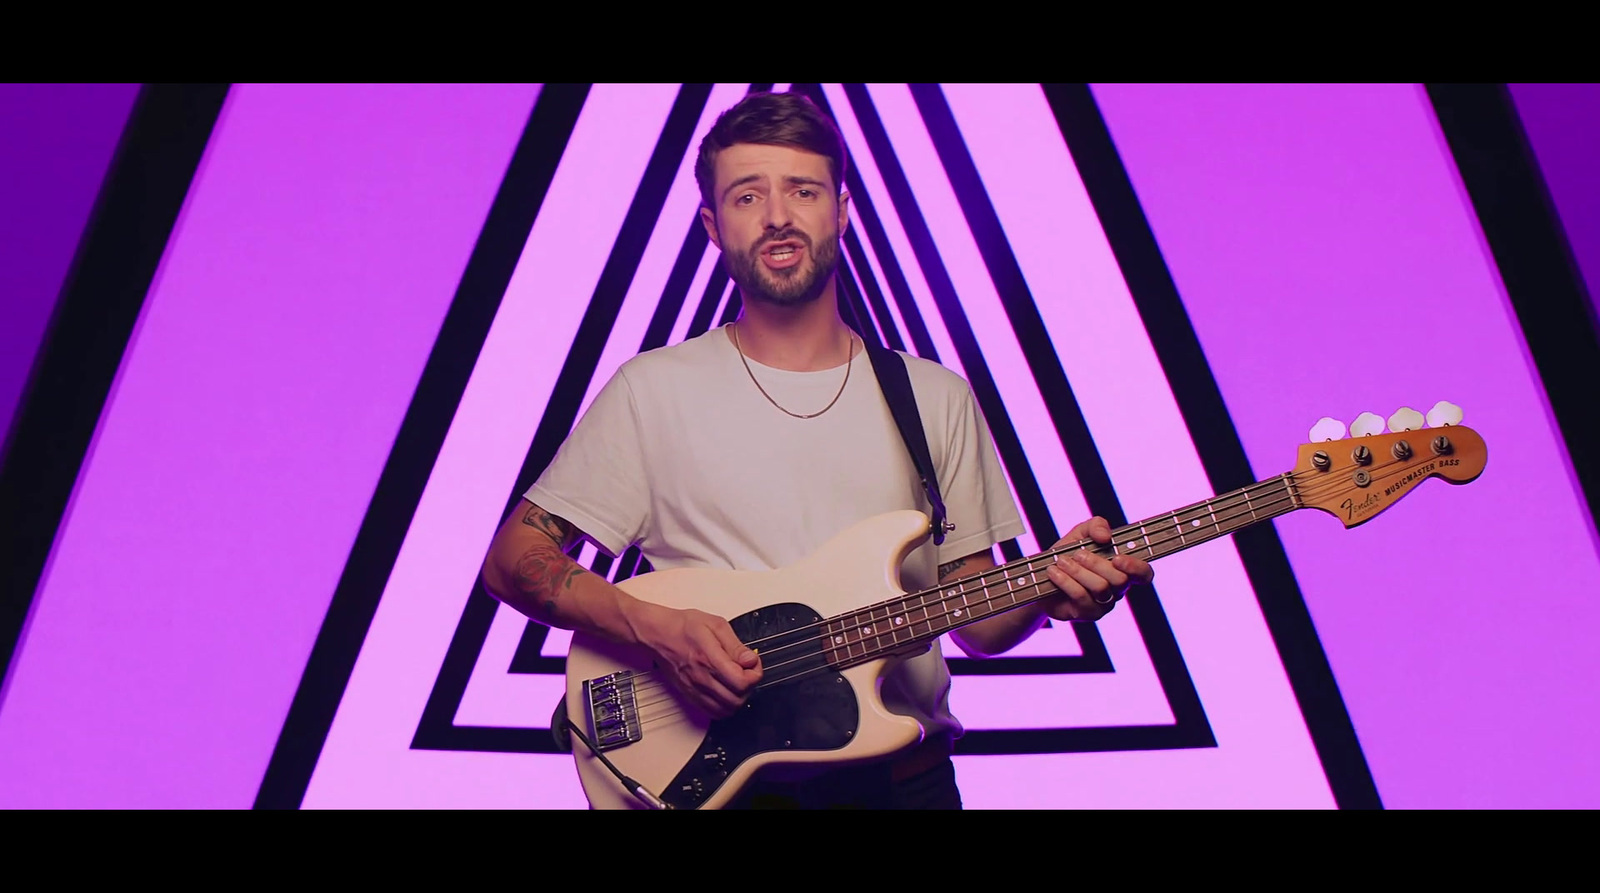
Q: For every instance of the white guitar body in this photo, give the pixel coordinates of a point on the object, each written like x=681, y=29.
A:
x=674, y=750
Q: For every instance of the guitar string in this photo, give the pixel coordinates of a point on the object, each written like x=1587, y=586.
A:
x=1322, y=485
x=945, y=595
x=1250, y=508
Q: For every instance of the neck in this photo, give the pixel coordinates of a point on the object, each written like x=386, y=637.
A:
x=912, y=620
x=806, y=338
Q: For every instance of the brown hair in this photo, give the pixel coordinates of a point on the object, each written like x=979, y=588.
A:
x=770, y=119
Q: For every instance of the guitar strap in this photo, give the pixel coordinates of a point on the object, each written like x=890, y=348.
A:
x=895, y=382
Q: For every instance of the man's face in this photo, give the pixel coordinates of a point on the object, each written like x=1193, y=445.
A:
x=777, y=222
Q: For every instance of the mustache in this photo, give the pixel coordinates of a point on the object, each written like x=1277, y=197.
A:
x=781, y=236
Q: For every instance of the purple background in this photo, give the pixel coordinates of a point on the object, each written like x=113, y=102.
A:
x=57, y=143
x=1320, y=238
x=1563, y=125
x=1331, y=264
x=299, y=297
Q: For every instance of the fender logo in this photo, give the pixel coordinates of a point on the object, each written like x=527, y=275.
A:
x=1353, y=508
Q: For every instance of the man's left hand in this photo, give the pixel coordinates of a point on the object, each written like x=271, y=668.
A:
x=1091, y=584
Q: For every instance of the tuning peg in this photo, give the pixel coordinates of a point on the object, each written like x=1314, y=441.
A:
x=1365, y=424
x=1444, y=413
x=1405, y=419
x=1327, y=429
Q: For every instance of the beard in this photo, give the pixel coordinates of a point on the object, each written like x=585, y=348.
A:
x=792, y=287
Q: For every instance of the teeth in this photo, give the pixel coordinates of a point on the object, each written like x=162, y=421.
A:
x=783, y=254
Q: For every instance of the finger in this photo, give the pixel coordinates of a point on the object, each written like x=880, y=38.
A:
x=734, y=680
x=1100, y=530
x=1075, y=595
x=716, y=698
x=711, y=654
x=1096, y=528
x=1092, y=584
x=1062, y=607
x=1138, y=571
x=1100, y=566
x=742, y=654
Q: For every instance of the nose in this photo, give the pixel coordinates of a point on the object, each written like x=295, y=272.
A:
x=775, y=213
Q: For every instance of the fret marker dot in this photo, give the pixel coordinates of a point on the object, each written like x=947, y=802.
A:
x=899, y=620
x=867, y=630
x=1195, y=523
x=957, y=612
x=838, y=640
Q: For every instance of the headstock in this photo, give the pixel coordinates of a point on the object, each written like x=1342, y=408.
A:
x=1355, y=478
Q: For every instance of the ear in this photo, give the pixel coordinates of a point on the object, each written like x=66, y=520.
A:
x=709, y=220
x=844, y=212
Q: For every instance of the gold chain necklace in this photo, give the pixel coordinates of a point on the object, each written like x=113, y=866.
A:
x=748, y=371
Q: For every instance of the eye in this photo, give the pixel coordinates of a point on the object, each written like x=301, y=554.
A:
x=745, y=199
x=807, y=193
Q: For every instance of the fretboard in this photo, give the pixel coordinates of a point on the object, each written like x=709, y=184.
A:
x=916, y=618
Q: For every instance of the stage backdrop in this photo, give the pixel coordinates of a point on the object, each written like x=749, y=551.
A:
x=384, y=306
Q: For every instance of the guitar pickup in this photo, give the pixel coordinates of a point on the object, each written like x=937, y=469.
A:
x=613, y=710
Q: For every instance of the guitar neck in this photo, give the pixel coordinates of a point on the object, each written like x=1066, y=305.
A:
x=917, y=618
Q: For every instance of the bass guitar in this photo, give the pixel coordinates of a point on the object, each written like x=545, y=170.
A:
x=832, y=624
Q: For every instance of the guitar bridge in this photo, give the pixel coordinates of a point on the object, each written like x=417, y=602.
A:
x=613, y=712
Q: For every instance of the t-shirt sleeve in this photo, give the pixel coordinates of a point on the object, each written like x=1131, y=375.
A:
x=977, y=496
x=597, y=479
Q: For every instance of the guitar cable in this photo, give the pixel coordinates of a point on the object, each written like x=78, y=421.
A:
x=635, y=788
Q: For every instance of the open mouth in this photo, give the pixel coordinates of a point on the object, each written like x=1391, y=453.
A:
x=779, y=255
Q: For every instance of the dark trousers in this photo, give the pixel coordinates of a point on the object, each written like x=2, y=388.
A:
x=925, y=779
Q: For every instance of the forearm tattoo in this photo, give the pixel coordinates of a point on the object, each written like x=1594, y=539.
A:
x=546, y=573
x=946, y=570
x=556, y=528
x=543, y=571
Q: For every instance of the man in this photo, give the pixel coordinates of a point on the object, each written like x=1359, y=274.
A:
x=750, y=446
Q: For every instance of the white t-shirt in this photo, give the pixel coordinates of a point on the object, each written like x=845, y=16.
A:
x=680, y=454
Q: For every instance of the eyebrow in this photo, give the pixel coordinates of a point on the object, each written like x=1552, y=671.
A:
x=792, y=181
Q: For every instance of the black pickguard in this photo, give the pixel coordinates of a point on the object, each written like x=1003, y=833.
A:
x=816, y=711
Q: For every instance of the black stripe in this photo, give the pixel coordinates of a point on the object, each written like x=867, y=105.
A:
x=1107, y=739
x=1060, y=401
x=427, y=420
x=953, y=314
x=981, y=380
x=676, y=290
x=1542, y=278
x=731, y=312
x=716, y=287
x=853, y=309
x=436, y=729
x=899, y=288
x=1206, y=415
x=122, y=245
x=868, y=284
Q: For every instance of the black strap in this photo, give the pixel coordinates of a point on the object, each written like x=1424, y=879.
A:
x=895, y=383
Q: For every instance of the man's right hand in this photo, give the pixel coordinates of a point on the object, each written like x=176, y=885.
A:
x=701, y=655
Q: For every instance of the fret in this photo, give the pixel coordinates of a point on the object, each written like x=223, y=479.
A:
x=925, y=618
x=885, y=628
x=1178, y=526
x=838, y=643
x=897, y=621
x=864, y=630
